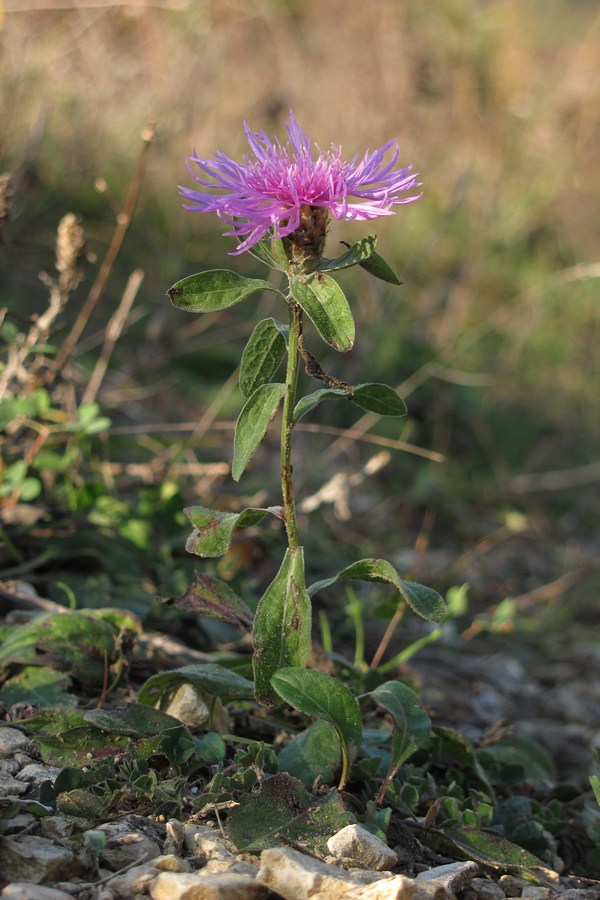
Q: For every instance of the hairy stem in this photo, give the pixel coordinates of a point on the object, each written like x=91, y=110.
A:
x=287, y=426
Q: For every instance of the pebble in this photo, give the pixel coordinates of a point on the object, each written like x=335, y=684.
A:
x=366, y=850
x=25, y=890
x=453, y=876
x=296, y=876
x=170, y=886
x=487, y=890
x=13, y=741
x=37, y=774
x=512, y=885
x=398, y=887
x=126, y=844
x=38, y=860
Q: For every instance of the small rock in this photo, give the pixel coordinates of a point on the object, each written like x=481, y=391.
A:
x=356, y=843
x=189, y=707
x=453, y=876
x=171, y=886
x=126, y=844
x=10, y=787
x=206, y=844
x=25, y=890
x=168, y=862
x=37, y=774
x=536, y=892
x=512, y=885
x=134, y=881
x=299, y=877
x=13, y=741
x=175, y=836
x=487, y=890
x=37, y=860
x=398, y=887
x=431, y=890
x=57, y=827
x=9, y=766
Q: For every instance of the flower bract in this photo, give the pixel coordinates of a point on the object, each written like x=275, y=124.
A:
x=266, y=192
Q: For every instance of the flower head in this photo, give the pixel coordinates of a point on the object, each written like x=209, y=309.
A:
x=269, y=190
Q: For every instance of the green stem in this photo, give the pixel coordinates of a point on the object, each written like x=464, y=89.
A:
x=287, y=425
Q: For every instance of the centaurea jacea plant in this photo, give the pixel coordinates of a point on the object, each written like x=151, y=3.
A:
x=278, y=203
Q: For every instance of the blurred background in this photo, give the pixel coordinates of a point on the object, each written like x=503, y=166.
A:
x=493, y=477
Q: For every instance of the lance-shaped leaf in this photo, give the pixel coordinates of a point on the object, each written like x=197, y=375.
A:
x=214, y=290
x=252, y=425
x=324, y=302
x=305, y=404
x=379, y=398
x=281, y=635
x=213, y=528
x=377, y=266
x=262, y=355
x=355, y=254
x=412, y=725
x=271, y=252
x=209, y=596
x=426, y=602
x=324, y=698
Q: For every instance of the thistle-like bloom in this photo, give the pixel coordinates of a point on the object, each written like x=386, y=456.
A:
x=266, y=193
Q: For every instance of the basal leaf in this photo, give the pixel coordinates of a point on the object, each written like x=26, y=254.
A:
x=252, y=425
x=213, y=528
x=324, y=302
x=377, y=266
x=39, y=686
x=282, y=626
x=355, y=254
x=209, y=678
x=314, y=753
x=132, y=719
x=426, y=602
x=214, y=290
x=209, y=596
x=491, y=849
x=305, y=404
x=262, y=355
x=379, y=398
x=324, y=698
x=412, y=725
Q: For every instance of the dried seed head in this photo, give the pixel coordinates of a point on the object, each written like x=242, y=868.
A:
x=70, y=252
x=5, y=199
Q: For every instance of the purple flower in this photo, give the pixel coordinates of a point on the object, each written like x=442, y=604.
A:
x=266, y=193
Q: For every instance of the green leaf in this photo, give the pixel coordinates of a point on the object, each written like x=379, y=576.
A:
x=252, y=425
x=595, y=783
x=305, y=404
x=323, y=300
x=262, y=355
x=323, y=697
x=377, y=266
x=39, y=686
x=133, y=720
x=412, y=725
x=283, y=810
x=209, y=596
x=491, y=849
x=525, y=761
x=208, y=678
x=355, y=254
x=426, y=602
x=214, y=290
x=213, y=528
x=314, y=753
x=379, y=398
x=282, y=626
x=271, y=252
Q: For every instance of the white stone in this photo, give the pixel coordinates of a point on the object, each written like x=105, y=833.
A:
x=453, y=876
x=136, y=880
x=299, y=877
x=25, y=890
x=12, y=741
x=171, y=886
x=366, y=849
x=35, y=773
x=37, y=859
x=398, y=887
x=189, y=707
x=126, y=844
x=168, y=862
x=487, y=890
x=10, y=787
